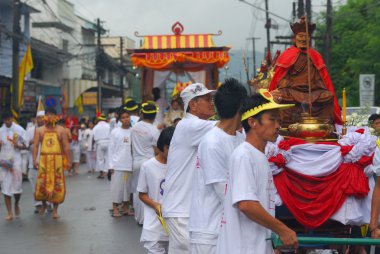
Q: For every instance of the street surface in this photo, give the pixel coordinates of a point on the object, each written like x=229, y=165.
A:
x=85, y=226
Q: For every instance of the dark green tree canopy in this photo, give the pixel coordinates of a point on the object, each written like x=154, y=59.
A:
x=355, y=48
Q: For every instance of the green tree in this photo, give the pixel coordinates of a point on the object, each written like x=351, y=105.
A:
x=356, y=46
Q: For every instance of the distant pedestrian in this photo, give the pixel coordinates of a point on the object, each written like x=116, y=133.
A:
x=33, y=172
x=144, y=141
x=55, y=147
x=151, y=179
x=102, y=136
x=13, y=138
x=120, y=164
x=90, y=147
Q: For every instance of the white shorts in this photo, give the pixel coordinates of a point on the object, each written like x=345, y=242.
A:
x=120, y=186
x=75, y=156
x=156, y=247
x=12, y=181
x=179, y=239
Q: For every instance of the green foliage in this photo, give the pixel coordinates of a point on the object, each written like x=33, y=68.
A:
x=355, y=48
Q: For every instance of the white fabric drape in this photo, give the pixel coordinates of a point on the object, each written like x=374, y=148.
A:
x=198, y=77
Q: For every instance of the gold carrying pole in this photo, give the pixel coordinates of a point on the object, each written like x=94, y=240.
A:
x=308, y=40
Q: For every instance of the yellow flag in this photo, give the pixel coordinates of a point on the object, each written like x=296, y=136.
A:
x=25, y=67
x=79, y=104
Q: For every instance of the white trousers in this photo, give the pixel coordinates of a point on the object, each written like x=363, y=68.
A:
x=197, y=248
x=102, y=157
x=139, y=208
x=32, y=176
x=91, y=160
x=120, y=186
x=24, y=162
x=156, y=247
x=179, y=239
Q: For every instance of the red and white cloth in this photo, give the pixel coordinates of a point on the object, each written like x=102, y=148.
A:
x=325, y=180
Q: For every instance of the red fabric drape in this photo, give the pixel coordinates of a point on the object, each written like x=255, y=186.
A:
x=313, y=200
x=289, y=57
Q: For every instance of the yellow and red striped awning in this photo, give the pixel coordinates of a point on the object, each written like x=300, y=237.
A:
x=161, y=51
x=189, y=41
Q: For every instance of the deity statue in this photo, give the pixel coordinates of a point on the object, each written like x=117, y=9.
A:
x=290, y=83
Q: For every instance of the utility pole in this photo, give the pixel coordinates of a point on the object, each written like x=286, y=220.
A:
x=300, y=9
x=267, y=25
x=253, y=53
x=294, y=13
x=328, y=39
x=308, y=10
x=98, y=57
x=15, y=55
x=121, y=70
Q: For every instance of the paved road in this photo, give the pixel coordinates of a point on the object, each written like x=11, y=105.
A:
x=78, y=231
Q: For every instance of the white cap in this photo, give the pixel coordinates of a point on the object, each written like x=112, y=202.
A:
x=192, y=91
x=40, y=113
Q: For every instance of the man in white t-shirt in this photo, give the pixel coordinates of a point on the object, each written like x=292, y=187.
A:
x=248, y=216
x=13, y=138
x=151, y=178
x=101, y=133
x=144, y=141
x=211, y=175
x=182, y=160
x=120, y=164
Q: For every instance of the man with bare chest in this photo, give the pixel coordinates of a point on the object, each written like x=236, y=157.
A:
x=54, y=158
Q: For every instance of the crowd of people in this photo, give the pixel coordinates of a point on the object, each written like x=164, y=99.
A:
x=196, y=185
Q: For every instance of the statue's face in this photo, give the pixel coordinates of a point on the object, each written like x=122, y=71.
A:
x=301, y=40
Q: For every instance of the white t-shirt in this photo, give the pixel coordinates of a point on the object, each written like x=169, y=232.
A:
x=249, y=179
x=206, y=207
x=152, y=176
x=120, y=150
x=144, y=137
x=182, y=163
x=7, y=149
x=101, y=132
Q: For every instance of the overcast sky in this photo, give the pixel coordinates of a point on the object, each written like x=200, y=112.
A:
x=236, y=19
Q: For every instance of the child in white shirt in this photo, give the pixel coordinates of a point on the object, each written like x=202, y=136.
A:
x=120, y=164
x=151, y=179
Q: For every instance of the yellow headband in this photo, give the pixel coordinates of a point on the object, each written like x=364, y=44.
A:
x=270, y=105
x=132, y=108
x=149, y=111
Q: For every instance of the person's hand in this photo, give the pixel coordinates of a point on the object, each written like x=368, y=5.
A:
x=111, y=170
x=35, y=165
x=288, y=238
x=375, y=233
x=157, y=208
x=276, y=95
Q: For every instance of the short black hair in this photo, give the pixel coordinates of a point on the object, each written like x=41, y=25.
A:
x=373, y=118
x=252, y=102
x=177, y=120
x=165, y=138
x=6, y=115
x=129, y=105
x=156, y=91
x=229, y=97
x=50, y=110
x=121, y=112
x=149, y=107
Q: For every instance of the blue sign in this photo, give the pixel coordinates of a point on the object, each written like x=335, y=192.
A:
x=51, y=102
